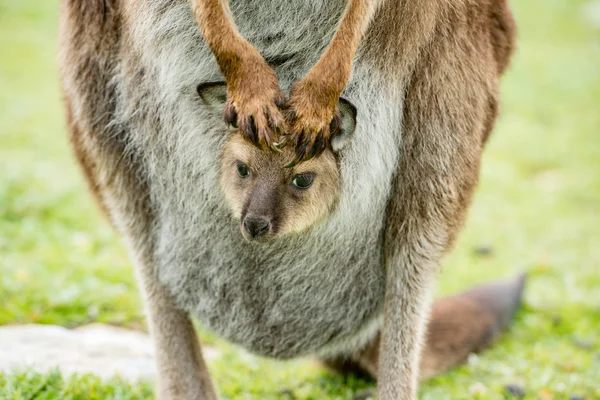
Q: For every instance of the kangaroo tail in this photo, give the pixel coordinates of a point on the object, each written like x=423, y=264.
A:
x=459, y=325
x=468, y=322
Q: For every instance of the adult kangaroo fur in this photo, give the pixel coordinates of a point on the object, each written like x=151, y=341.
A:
x=354, y=287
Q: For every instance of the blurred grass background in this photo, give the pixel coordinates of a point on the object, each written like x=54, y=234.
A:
x=537, y=209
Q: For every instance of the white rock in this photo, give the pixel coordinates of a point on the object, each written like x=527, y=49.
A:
x=102, y=350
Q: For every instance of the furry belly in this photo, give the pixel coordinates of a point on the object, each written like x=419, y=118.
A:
x=299, y=295
x=321, y=291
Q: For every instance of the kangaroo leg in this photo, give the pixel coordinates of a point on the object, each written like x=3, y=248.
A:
x=444, y=124
x=181, y=370
x=90, y=43
x=466, y=323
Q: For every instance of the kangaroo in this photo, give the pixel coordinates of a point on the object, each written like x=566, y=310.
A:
x=311, y=225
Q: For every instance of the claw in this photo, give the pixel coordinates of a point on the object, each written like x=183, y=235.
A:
x=264, y=141
x=318, y=146
x=292, y=164
x=276, y=147
x=309, y=146
x=230, y=115
x=300, y=155
x=248, y=129
x=280, y=101
x=336, y=123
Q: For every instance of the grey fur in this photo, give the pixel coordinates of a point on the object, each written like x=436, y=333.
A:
x=152, y=149
x=275, y=299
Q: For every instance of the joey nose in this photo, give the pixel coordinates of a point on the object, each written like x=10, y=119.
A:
x=256, y=226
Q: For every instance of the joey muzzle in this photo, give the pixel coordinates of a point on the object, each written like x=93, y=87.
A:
x=256, y=227
x=258, y=217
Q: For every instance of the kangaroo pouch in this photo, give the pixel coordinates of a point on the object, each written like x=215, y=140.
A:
x=318, y=291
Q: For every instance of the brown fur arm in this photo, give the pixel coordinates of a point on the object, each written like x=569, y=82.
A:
x=444, y=122
x=313, y=99
x=254, y=98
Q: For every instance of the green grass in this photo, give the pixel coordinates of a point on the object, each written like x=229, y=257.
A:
x=27, y=386
x=537, y=208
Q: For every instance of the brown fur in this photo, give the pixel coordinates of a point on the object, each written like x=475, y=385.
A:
x=86, y=64
x=254, y=96
x=434, y=184
x=460, y=325
x=312, y=104
x=253, y=92
x=433, y=45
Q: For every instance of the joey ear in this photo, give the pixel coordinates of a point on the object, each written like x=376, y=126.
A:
x=348, y=112
x=213, y=95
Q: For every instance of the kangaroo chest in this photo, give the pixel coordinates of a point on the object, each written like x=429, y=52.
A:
x=316, y=292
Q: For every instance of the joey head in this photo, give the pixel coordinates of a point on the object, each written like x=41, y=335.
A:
x=268, y=196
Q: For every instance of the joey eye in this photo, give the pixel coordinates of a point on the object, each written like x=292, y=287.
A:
x=242, y=170
x=303, y=181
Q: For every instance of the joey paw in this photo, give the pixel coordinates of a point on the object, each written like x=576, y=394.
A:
x=312, y=120
x=255, y=102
